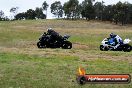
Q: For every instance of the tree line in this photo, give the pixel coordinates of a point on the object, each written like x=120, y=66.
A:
x=88, y=9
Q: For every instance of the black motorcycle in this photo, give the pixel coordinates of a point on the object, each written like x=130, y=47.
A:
x=45, y=41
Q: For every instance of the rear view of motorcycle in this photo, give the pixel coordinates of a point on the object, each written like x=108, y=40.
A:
x=48, y=41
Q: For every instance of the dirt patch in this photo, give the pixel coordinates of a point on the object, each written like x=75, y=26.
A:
x=80, y=46
x=82, y=54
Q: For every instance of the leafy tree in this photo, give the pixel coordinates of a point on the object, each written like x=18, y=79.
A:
x=39, y=13
x=125, y=13
x=98, y=10
x=107, y=13
x=57, y=9
x=30, y=14
x=20, y=16
x=45, y=6
x=70, y=8
x=130, y=13
x=78, y=11
x=67, y=10
x=121, y=12
x=6, y=18
x=1, y=15
x=14, y=10
x=88, y=10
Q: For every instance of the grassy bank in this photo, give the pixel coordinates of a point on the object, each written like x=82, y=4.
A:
x=23, y=65
x=25, y=71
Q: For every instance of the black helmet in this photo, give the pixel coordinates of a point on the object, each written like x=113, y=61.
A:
x=112, y=35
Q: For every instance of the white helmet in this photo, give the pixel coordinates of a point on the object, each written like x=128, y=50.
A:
x=49, y=30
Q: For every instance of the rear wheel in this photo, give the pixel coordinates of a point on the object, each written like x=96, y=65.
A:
x=67, y=45
x=127, y=48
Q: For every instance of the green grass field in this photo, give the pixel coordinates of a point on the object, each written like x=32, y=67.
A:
x=23, y=65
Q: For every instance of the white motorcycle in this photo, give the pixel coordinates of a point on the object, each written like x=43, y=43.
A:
x=126, y=47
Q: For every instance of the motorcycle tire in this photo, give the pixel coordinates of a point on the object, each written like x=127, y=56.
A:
x=39, y=44
x=67, y=45
x=102, y=48
x=127, y=48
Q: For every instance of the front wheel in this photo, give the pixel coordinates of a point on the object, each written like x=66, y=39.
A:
x=103, y=48
x=127, y=48
x=39, y=44
x=67, y=45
